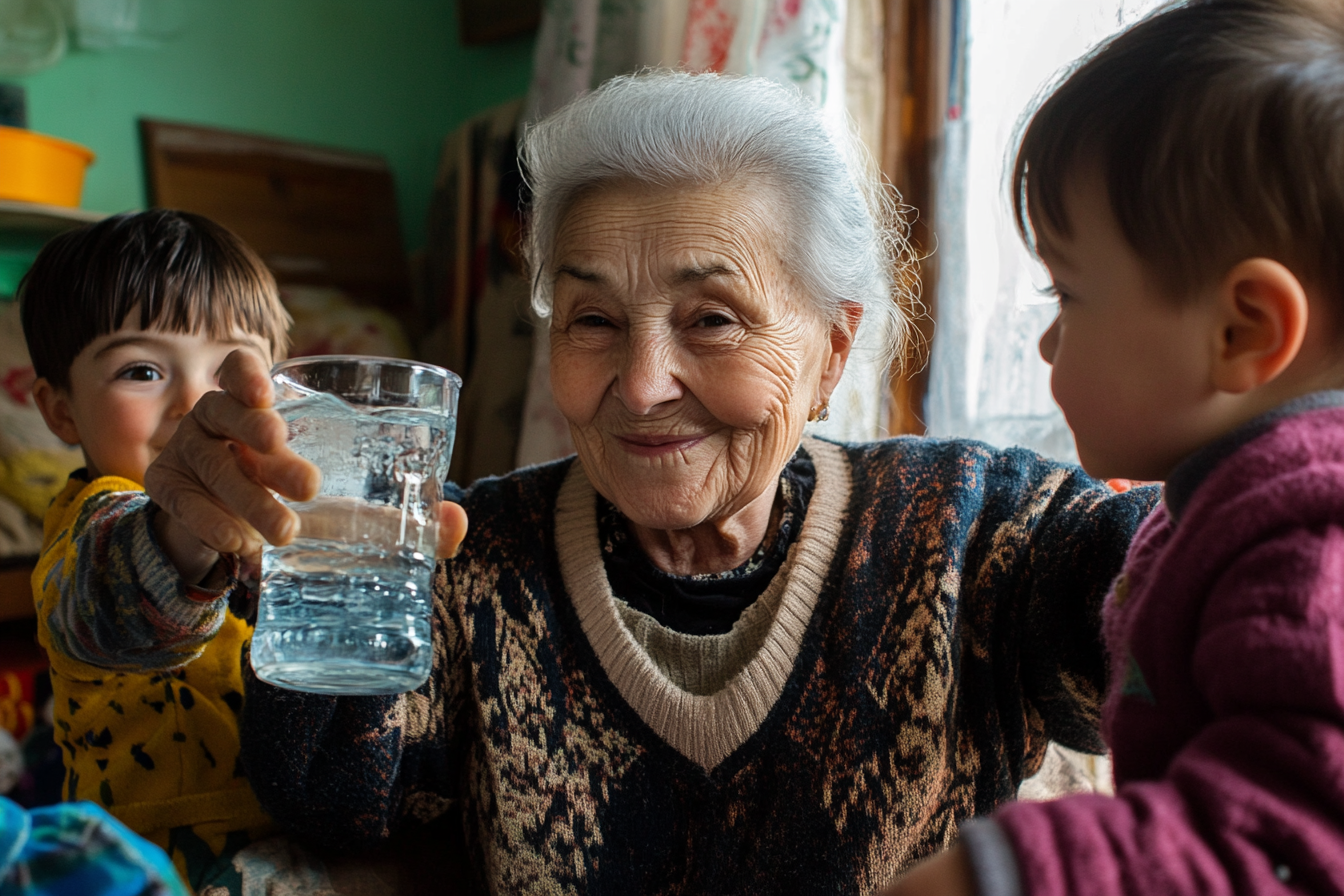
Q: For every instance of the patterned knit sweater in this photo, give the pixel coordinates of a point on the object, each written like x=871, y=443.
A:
x=935, y=624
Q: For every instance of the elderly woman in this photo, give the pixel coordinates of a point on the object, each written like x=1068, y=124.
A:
x=708, y=654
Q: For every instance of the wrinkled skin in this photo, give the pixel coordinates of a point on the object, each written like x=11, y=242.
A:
x=684, y=356
x=686, y=359
x=216, y=474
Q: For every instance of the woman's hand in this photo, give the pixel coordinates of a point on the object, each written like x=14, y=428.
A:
x=946, y=874
x=452, y=528
x=216, y=475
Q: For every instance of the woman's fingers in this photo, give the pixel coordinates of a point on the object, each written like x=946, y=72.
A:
x=281, y=471
x=945, y=874
x=258, y=436
x=199, y=481
x=216, y=475
x=221, y=415
x=244, y=376
x=452, y=529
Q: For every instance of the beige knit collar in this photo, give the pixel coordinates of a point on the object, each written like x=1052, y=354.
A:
x=705, y=729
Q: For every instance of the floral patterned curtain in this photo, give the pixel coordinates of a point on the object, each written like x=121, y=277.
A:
x=830, y=49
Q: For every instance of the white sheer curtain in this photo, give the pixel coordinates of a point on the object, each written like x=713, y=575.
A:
x=829, y=49
x=987, y=379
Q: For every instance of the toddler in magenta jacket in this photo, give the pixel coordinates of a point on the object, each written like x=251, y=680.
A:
x=1184, y=185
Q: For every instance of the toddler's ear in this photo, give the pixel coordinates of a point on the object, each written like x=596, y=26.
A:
x=1263, y=314
x=54, y=404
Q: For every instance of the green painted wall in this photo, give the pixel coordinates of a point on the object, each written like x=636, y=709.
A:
x=381, y=76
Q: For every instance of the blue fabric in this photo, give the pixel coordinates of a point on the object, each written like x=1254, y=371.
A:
x=80, y=850
x=992, y=858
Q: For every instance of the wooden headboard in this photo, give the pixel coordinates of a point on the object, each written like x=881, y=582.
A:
x=318, y=216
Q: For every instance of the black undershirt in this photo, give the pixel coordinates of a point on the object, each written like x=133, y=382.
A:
x=706, y=604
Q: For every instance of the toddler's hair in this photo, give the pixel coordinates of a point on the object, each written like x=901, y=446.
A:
x=1217, y=128
x=185, y=272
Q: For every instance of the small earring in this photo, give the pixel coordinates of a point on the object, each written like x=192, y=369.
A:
x=819, y=415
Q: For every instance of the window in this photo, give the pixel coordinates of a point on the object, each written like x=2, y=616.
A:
x=987, y=379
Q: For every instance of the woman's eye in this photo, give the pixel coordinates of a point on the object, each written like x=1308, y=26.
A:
x=141, y=373
x=592, y=320
x=713, y=320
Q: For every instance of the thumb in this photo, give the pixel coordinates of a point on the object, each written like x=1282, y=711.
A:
x=245, y=376
x=452, y=529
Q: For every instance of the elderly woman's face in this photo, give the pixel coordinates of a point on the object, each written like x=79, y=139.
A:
x=683, y=355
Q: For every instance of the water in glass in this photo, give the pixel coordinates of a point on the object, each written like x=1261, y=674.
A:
x=345, y=606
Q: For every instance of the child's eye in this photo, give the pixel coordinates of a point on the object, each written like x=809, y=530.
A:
x=141, y=373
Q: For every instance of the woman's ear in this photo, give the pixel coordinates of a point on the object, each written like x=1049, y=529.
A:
x=54, y=404
x=842, y=336
x=1262, y=316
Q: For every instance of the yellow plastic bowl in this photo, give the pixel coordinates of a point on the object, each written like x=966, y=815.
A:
x=38, y=168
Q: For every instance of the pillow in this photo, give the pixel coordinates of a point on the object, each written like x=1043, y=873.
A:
x=34, y=464
x=329, y=322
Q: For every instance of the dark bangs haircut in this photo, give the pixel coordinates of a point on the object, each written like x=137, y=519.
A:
x=185, y=273
x=1217, y=128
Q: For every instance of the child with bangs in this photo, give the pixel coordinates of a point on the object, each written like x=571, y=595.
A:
x=128, y=322
x=1184, y=185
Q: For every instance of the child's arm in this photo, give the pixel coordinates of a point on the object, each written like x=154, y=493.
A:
x=108, y=596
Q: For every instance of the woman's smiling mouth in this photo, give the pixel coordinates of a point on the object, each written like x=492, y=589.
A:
x=657, y=445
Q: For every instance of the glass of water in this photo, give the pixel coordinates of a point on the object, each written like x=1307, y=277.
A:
x=345, y=607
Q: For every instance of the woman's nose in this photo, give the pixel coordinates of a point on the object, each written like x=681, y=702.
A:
x=1050, y=341
x=645, y=380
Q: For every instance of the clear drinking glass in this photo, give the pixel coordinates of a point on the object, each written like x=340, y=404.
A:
x=345, y=607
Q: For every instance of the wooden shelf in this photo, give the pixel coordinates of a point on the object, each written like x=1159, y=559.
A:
x=44, y=219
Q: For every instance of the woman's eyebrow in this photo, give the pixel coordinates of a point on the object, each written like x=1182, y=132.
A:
x=579, y=274
x=692, y=274
x=697, y=273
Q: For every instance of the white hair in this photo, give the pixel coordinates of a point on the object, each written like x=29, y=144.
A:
x=844, y=235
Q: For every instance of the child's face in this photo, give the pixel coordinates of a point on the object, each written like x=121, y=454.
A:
x=1131, y=367
x=129, y=389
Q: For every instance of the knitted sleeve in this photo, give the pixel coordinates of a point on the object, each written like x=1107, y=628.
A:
x=1077, y=549
x=344, y=772
x=107, y=596
x=1041, y=543
x=325, y=768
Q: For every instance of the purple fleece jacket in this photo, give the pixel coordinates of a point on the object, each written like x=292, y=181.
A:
x=1225, y=713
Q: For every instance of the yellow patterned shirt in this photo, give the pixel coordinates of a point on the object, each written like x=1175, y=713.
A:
x=147, y=680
